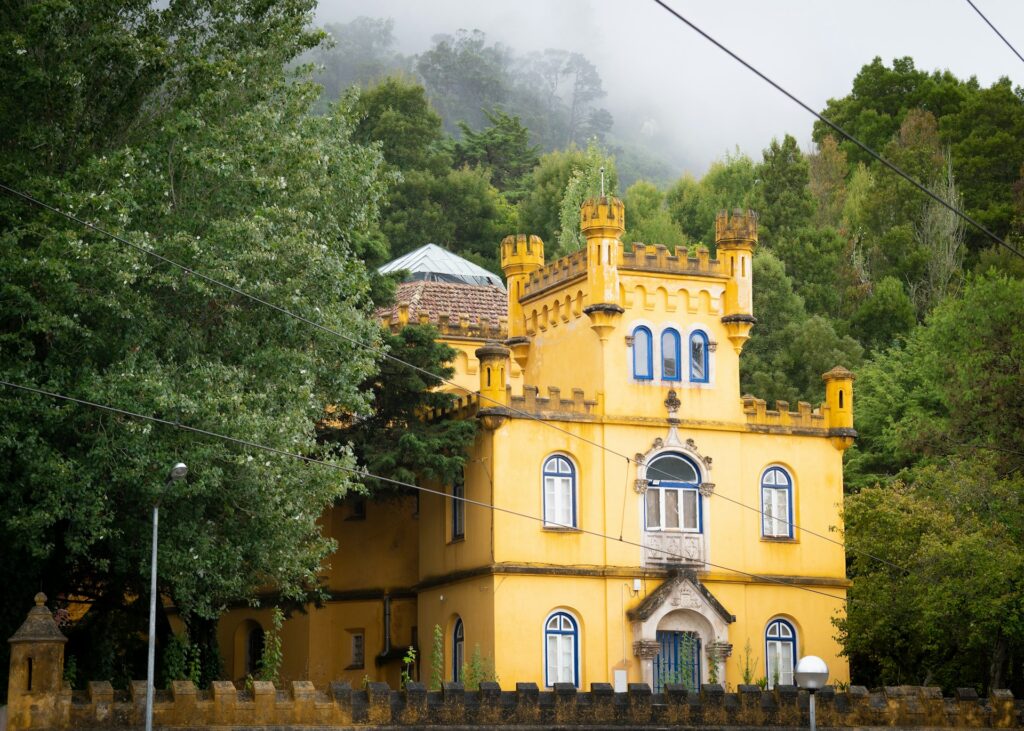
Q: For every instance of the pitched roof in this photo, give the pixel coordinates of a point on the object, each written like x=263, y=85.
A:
x=432, y=263
x=448, y=300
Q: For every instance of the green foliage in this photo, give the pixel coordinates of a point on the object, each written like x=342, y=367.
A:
x=943, y=413
x=504, y=149
x=584, y=183
x=181, y=661
x=390, y=438
x=272, y=656
x=648, y=219
x=748, y=665
x=884, y=316
x=784, y=199
x=409, y=666
x=814, y=258
x=789, y=350
x=358, y=53
x=189, y=137
x=396, y=114
x=539, y=211
x=477, y=670
x=729, y=183
x=437, y=658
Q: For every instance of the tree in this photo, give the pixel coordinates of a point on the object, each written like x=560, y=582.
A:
x=814, y=258
x=788, y=351
x=784, y=200
x=647, y=217
x=942, y=416
x=884, y=316
x=359, y=53
x=397, y=114
x=190, y=140
x=504, y=149
x=827, y=171
x=464, y=76
x=539, y=211
x=729, y=183
x=595, y=177
x=391, y=437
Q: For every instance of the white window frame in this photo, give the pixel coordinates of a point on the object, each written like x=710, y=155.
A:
x=775, y=639
x=774, y=525
x=681, y=490
x=559, y=638
x=558, y=491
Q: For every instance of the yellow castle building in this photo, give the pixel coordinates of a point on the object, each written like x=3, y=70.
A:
x=649, y=523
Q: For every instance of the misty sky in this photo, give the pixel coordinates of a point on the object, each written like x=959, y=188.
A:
x=659, y=72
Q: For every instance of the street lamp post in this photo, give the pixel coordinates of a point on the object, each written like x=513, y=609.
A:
x=811, y=674
x=178, y=472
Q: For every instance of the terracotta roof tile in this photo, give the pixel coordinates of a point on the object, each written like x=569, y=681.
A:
x=444, y=298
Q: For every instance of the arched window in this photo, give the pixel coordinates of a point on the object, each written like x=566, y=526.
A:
x=561, y=650
x=776, y=503
x=643, y=358
x=698, y=357
x=559, y=492
x=458, y=509
x=458, y=649
x=672, y=500
x=780, y=652
x=670, y=370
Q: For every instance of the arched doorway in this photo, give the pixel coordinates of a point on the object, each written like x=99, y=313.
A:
x=248, y=648
x=682, y=636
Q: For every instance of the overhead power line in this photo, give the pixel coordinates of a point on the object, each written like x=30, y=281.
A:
x=363, y=474
x=395, y=359
x=995, y=30
x=892, y=166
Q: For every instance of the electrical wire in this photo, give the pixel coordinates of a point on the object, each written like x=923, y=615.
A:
x=892, y=166
x=363, y=474
x=384, y=354
x=996, y=30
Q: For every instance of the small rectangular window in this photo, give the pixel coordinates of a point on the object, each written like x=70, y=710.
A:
x=458, y=510
x=357, y=648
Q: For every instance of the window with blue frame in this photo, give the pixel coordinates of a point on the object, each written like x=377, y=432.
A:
x=643, y=354
x=699, y=372
x=559, y=476
x=780, y=652
x=458, y=649
x=672, y=501
x=670, y=370
x=561, y=650
x=776, y=503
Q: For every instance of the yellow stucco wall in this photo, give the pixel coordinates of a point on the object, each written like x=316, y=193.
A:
x=572, y=391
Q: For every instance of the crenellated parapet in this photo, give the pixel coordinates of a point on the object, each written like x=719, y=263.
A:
x=805, y=419
x=566, y=269
x=682, y=260
x=301, y=705
x=451, y=324
x=553, y=405
x=739, y=227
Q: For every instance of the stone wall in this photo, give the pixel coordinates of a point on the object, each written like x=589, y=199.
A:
x=301, y=706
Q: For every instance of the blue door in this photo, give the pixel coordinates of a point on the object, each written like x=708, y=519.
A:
x=678, y=660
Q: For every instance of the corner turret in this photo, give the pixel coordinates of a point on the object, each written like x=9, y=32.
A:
x=36, y=675
x=603, y=221
x=735, y=239
x=521, y=256
x=493, y=359
x=839, y=401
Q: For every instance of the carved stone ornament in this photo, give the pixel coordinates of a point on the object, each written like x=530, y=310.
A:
x=712, y=346
x=707, y=462
x=629, y=341
x=684, y=597
x=646, y=649
x=707, y=489
x=658, y=443
x=638, y=458
x=719, y=650
x=690, y=444
x=640, y=486
x=672, y=403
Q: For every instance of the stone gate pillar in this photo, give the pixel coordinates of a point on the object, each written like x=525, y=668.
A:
x=36, y=671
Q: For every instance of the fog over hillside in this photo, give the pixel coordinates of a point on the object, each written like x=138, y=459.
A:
x=683, y=100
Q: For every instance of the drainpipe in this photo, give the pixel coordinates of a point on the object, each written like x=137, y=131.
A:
x=387, y=625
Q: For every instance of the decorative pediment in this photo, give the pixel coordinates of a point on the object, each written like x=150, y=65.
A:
x=682, y=590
